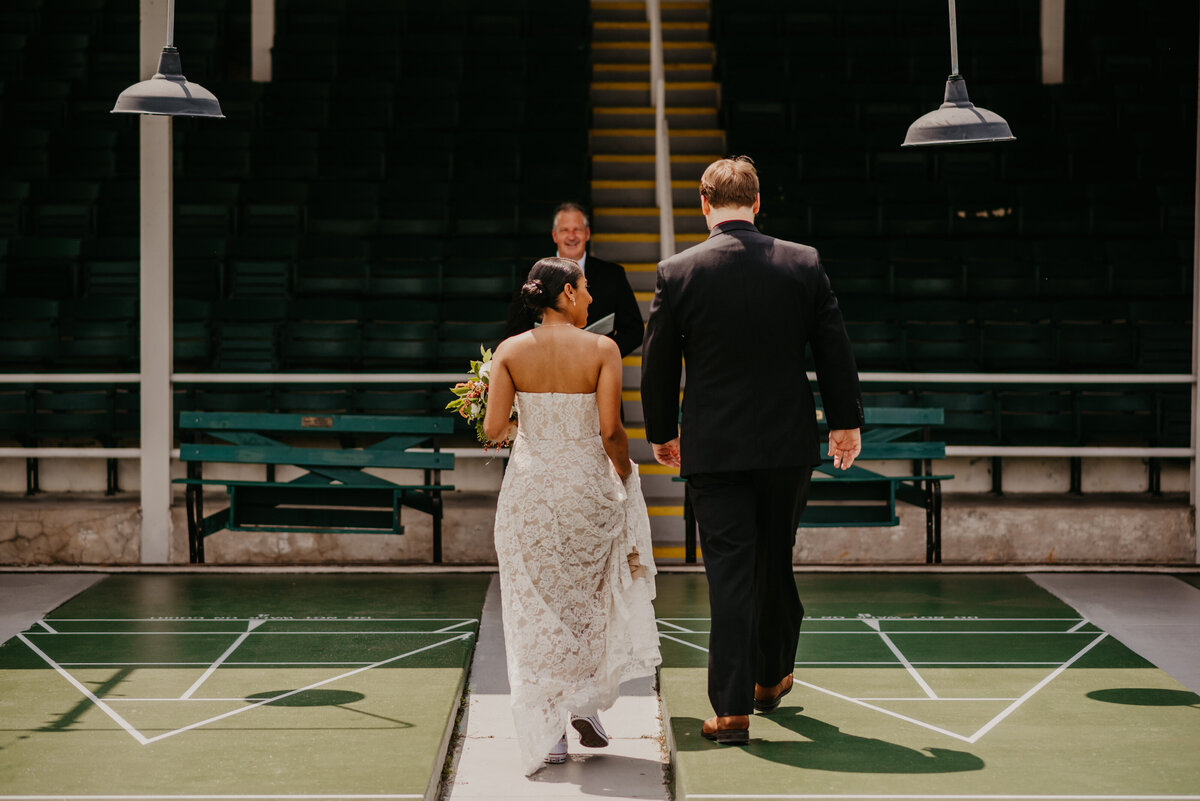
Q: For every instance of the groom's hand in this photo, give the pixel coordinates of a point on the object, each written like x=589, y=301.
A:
x=667, y=453
x=844, y=446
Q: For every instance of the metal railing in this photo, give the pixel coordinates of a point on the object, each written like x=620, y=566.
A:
x=662, y=135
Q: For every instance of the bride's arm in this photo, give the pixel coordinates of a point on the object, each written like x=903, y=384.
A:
x=608, y=399
x=500, y=397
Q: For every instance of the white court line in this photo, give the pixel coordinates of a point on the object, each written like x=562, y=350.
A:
x=266, y=619
x=921, y=619
x=912, y=671
x=927, y=796
x=91, y=696
x=842, y=632
x=124, y=724
x=924, y=664
x=265, y=701
x=454, y=626
x=166, y=633
x=250, y=627
x=202, y=664
x=1078, y=626
x=160, y=796
x=1017, y=703
x=683, y=642
x=680, y=628
x=46, y=626
x=939, y=698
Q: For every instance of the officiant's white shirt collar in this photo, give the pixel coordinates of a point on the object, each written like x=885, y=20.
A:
x=582, y=262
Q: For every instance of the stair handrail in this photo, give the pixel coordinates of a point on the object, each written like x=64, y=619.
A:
x=662, y=139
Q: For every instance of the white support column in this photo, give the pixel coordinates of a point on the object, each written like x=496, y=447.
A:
x=1053, y=32
x=1195, y=493
x=262, y=39
x=156, y=298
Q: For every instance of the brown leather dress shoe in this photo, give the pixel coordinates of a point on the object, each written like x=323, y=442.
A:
x=727, y=729
x=766, y=699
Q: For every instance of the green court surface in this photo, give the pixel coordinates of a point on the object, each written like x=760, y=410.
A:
x=935, y=687
x=237, y=686
x=1190, y=578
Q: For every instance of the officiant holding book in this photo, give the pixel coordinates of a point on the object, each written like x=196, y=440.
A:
x=610, y=290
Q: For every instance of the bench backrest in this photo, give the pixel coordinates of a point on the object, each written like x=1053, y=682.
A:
x=897, y=432
x=246, y=434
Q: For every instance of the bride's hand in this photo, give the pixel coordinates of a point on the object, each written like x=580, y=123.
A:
x=627, y=472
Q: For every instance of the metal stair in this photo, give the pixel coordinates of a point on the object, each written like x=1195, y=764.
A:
x=624, y=217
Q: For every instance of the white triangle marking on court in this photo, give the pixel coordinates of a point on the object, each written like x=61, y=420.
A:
x=974, y=738
x=137, y=735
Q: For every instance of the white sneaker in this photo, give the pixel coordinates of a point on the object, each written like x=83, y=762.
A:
x=591, y=733
x=558, y=754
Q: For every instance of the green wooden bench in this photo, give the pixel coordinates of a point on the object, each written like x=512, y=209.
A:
x=862, y=497
x=335, y=495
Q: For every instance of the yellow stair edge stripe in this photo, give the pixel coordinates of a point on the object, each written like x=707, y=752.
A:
x=625, y=184
x=690, y=237
x=682, y=45
x=639, y=85
x=692, y=85
x=635, y=433
x=657, y=470
x=673, y=552
x=611, y=25
x=618, y=66
x=696, y=159
x=644, y=295
x=650, y=109
x=641, y=267
x=632, y=361
x=676, y=5
x=641, y=211
x=665, y=511
x=620, y=45
x=609, y=157
x=701, y=133
x=626, y=237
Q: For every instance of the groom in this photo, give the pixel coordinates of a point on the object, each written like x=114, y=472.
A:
x=740, y=308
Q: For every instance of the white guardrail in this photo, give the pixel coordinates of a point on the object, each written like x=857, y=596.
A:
x=914, y=379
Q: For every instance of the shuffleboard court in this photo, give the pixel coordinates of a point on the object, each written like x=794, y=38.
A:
x=980, y=687
x=232, y=687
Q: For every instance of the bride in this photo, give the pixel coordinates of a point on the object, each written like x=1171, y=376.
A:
x=572, y=534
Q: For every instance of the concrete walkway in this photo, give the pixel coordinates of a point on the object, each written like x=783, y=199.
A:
x=487, y=764
x=1157, y=617
x=28, y=597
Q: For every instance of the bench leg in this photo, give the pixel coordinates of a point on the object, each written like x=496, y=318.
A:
x=689, y=527
x=929, y=527
x=31, y=476
x=437, y=527
x=936, y=491
x=194, y=536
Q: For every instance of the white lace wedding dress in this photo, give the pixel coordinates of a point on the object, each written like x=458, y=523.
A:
x=577, y=622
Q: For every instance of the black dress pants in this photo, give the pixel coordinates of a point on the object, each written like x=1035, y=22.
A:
x=747, y=523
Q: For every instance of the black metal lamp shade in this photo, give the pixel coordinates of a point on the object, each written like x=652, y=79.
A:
x=957, y=121
x=168, y=93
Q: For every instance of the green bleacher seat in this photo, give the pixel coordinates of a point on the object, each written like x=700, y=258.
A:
x=365, y=105
x=1017, y=336
x=200, y=267
x=206, y=208
x=999, y=268
x=43, y=267
x=98, y=332
x=1038, y=417
x=192, y=341
x=1123, y=416
x=857, y=266
x=287, y=156
x=1095, y=336
x=118, y=210
x=400, y=335
x=111, y=266
x=324, y=333
x=312, y=399
x=52, y=56
x=273, y=208
x=26, y=153
x=942, y=335
x=74, y=413
x=376, y=399
x=843, y=209
x=984, y=211
x=1164, y=335
x=296, y=106
x=16, y=413
x=312, y=16
x=247, y=333
x=88, y=155
x=261, y=266
x=28, y=333
x=332, y=265
x=344, y=208
x=20, y=16
x=305, y=57
x=64, y=208
x=913, y=210
x=11, y=44
x=467, y=324
x=1071, y=268
x=214, y=155
x=924, y=268
x=972, y=415
x=14, y=196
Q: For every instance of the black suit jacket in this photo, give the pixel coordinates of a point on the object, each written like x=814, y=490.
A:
x=741, y=308
x=611, y=294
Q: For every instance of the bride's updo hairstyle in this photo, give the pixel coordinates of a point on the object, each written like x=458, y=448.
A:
x=546, y=281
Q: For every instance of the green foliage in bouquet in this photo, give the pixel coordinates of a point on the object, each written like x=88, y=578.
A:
x=470, y=400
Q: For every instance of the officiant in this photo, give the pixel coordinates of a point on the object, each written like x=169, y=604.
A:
x=610, y=290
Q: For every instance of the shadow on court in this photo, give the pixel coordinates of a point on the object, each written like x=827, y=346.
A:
x=1146, y=696
x=831, y=749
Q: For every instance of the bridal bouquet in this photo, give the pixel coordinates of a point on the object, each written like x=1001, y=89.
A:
x=471, y=400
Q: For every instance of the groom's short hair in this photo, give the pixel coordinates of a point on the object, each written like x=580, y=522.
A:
x=731, y=182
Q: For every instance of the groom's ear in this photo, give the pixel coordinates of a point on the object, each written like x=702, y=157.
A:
x=705, y=206
x=757, y=202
